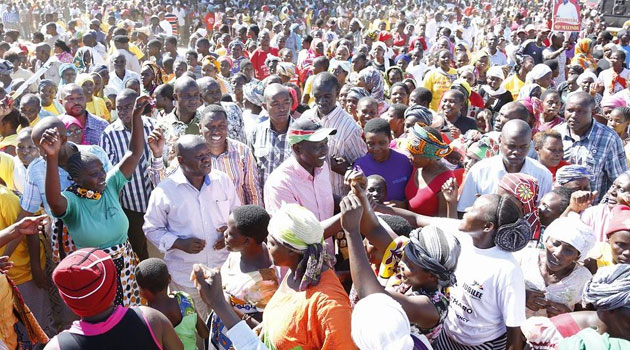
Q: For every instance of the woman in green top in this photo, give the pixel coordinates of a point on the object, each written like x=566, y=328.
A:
x=90, y=208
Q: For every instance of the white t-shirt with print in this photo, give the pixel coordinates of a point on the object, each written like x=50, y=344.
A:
x=489, y=294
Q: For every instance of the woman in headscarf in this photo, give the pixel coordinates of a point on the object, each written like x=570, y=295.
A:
x=589, y=83
x=210, y=68
x=352, y=100
x=253, y=103
x=494, y=93
x=393, y=75
x=152, y=77
x=381, y=59
x=523, y=65
x=93, y=104
x=416, y=271
x=524, y=189
x=541, y=74
x=489, y=279
x=574, y=177
x=481, y=62
x=341, y=70
x=310, y=309
x=225, y=67
x=63, y=52
x=424, y=189
x=584, y=54
x=605, y=328
x=615, y=249
x=554, y=279
x=83, y=59
x=610, y=102
x=372, y=80
x=530, y=90
x=483, y=148
x=68, y=74
x=287, y=72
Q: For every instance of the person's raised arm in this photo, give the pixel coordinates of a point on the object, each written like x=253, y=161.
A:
x=31, y=225
x=130, y=161
x=449, y=194
x=51, y=144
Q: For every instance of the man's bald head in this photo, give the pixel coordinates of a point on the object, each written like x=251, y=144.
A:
x=206, y=82
x=69, y=89
x=126, y=94
x=187, y=144
x=581, y=97
x=511, y=111
x=45, y=124
x=183, y=83
x=274, y=89
x=516, y=127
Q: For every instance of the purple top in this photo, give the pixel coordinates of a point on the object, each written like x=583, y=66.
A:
x=396, y=170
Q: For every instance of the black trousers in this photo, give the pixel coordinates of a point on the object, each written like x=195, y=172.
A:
x=136, y=234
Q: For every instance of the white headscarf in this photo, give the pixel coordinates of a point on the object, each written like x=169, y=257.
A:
x=369, y=316
x=573, y=231
x=539, y=71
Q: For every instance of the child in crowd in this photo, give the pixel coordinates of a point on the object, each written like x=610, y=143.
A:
x=153, y=279
x=377, y=188
x=248, y=275
x=9, y=125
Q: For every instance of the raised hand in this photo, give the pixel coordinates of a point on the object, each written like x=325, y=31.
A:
x=356, y=180
x=31, y=225
x=208, y=283
x=156, y=142
x=351, y=213
x=51, y=142
x=449, y=190
x=580, y=200
x=141, y=103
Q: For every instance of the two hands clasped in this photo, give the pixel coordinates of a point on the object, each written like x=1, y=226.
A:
x=195, y=245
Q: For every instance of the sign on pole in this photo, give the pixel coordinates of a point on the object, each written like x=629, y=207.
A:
x=566, y=16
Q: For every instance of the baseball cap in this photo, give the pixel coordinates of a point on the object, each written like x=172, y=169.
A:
x=307, y=129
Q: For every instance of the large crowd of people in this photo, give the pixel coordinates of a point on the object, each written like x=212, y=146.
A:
x=313, y=174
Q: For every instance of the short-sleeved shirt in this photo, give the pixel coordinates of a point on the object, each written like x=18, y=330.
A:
x=396, y=170
x=535, y=51
x=438, y=83
x=98, y=223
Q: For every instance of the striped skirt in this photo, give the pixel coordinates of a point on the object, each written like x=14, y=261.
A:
x=444, y=342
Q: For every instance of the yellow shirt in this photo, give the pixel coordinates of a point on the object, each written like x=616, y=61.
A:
x=308, y=90
x=514, y=85
x=6, y=170
x=602, y=252
x=7, y=141
x=438, y=84
x=52, y=109
x=98, y=107
x=9, y=211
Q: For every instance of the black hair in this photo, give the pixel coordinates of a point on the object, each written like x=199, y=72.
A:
x=62, y=45
x=15, y=119
x=322, y=61
x=131, y=81
x=565, y=196
x=359, y=56
x=210, y=109
x=398, y=224
x=244, y=63
x=399, y=110
x=152, y=275
x=502, y=210
x=202, y=40
x=12, y=57
x=400, y=84
x=192, y=52
x=424, y=95
x=171, y=39
x=548, y=92
x=77, y=162
x=155, y=43
x=254, y=28
x=622, y=53
x=38, y=35
x=542, y=136
x=625, y=112
x=377, y=125
x=252, y=221
x=164, y=90
x=327, y=79
x=308, y=38
x=460, y=95
x=552, y=64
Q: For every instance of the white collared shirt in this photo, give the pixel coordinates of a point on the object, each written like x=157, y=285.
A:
x=484, y=177
x=117, y=84
x=178, y=210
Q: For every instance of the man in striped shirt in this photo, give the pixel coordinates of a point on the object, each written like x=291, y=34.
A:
x=134, y=197
x=172, y=19
x=347, y=145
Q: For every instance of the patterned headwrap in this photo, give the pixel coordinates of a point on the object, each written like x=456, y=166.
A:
x=157, y=74
x=570, y=173
x=534, y=105
x=211, y=60
x=227, y=59
x=79, y=58
x=253, y=92
x=397, y=68
x=296, y=228
x=421, y=142
x=436, y=251
x=286, y=69
x=373, y=34
x=609, y=289
x=374, y=82
x=357, y=93
x=486, y=147
x=525, y=189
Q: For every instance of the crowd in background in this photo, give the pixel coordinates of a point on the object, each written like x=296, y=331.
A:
x=248, y=174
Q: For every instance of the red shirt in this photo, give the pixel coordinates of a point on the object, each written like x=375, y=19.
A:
x=425, y=201
x=258, y=61
x=418, y=41
x=400, y=39
x=555, y=169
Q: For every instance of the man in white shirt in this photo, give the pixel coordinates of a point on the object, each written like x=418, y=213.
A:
x=483, y=177
x=187, y=214
x=497, y=58
x=119, y=75
x=567, y=11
